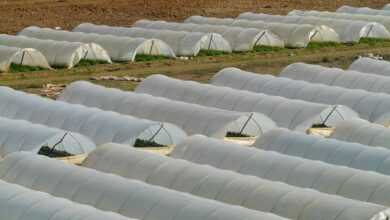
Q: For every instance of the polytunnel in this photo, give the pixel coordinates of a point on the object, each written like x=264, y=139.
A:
x=20, y=203
x=107, y=192
x=351, y=183
x=293, y=35
x=19, y=56
x=328, y=150
x=363, y=132
x=363, y=10
x=349, y=31
x=369, y=65
x=370, y=106
x=19, y=135
x=118, y=48
x=193, y=119
x=384, y=20
x=100, y=126
x=58, y=53
x=182, y=43
x=291, y=114
x=337, y=77
x=240, y=39
x=226, y=186
x=386, y=7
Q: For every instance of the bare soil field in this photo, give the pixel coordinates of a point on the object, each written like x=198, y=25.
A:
x=17, y=14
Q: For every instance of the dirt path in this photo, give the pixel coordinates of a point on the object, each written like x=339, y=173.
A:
x=200, y=69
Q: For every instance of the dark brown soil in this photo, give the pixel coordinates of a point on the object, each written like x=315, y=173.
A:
x=17, y=14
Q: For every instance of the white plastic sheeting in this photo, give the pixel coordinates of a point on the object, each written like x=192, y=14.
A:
x=292, y=114
x=337, y=77
x=293, y=35
x=194, y=119
x=363, y=132
x=328, y=150
x=24, y=57
x=100, y=126
x=370, y=106
x=19, y=135
x=384, y=20
x=182, y=43
x=349, y=31
x=226, y=186
x=343, y=181
x=363, y=10
x=369, y=65
x=130, y=198
x=58, y=53
x=19, y=203
x=118, y=48
x=240, y=39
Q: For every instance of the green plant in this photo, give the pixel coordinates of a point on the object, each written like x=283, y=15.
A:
x=319, y=45
x=144, y=57
x=139, y=143
x=211, y=53
x=374, y=41
x=320, y=125
x=16, y=68
x=86, y=63
x=236, y=135
x=268, y=49
x=46, y=151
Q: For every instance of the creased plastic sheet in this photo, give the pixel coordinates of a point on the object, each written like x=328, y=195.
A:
x=226, y=186
x=370, y=106
x=362, y=10
x=107, y=192
x=19, y=203
x=100, y=126
x=337, y=77
x=24, y=57
x=372, y=66
x=182, y=43
x=293, y=35
x=118, y=48
x=349, y=31
x=194, y=119
x=328, y=150
x=57, y=53
x=239, y=38
x=363, y=132
x=343, y=181
x=19, y=135
x=292, y=114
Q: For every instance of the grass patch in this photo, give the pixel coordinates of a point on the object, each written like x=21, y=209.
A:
x=145, y=57
x=87, y=63
x=139, y=143
x=211, y=53
x=267, y=49
x=320, y=45
x=375, y=41
x=16, y=68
